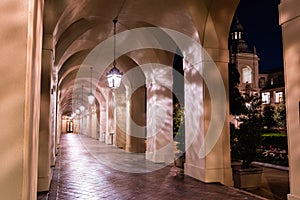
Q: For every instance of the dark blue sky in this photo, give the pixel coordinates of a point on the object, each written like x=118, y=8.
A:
x=261, y=23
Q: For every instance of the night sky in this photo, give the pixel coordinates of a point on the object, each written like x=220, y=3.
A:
x=261, y=24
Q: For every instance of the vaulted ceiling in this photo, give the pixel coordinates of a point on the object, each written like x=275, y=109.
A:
x=77, y=27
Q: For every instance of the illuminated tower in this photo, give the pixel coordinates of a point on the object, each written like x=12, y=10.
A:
x=244, y=59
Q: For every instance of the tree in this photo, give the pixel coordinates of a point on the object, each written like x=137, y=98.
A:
x=247, y=139
x=177, y=117
x=235, y=97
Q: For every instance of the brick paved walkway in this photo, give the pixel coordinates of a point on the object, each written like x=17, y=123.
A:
x=88, y=169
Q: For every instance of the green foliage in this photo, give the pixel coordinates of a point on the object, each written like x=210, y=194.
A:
x=178, y=127
x=245, y=145
x=273, y=155
x=276, y=140
x=234, y=135
x=252, y=115
x=235, y=97
x=268, y=117
x=274, y=135
x=274, y=149
x=177, y=117
x=280, y=116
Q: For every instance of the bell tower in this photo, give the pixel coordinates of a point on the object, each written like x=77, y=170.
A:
x=244, y=59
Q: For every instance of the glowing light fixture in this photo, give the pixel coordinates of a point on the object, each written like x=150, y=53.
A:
x=91, y=97
x=81, y=107
x=114, y=76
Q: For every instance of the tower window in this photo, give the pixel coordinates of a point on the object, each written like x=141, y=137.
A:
x=247, y=75
x=236, y=35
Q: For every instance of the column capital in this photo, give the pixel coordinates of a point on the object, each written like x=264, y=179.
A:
x=209, y=55
x=186, y=65
x=288, y=10
x=149, y=84
x=217, y=55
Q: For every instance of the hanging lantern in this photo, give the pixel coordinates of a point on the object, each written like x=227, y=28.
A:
x=114, y=76
x=91, y=97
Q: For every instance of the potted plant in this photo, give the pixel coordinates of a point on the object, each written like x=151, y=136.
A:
x=179, y=135
x=245, y=141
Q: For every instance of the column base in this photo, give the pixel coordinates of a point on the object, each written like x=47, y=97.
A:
x=292, y=197
x=209, y=175
x=228, y=177
x=53, y=160
x=135, y=145
x=159, y=157
x=102, y=137
x=44, y=183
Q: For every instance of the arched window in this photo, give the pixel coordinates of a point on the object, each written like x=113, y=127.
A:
x=247, y=75
x=235, y=35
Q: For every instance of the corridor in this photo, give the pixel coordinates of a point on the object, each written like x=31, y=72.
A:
x=89, y=169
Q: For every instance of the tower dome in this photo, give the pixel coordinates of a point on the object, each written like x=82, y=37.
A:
x=237, y=26
x=236, y=39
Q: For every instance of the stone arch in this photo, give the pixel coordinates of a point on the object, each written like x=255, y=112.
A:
x=212, y=34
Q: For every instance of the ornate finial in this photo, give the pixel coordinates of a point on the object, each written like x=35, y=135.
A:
x=236, y=19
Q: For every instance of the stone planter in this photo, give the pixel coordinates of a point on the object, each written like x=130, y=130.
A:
x=247, y=177
x=179, y=162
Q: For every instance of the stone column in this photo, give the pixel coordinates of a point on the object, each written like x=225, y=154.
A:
x=93, y=123
x=85, y=124
x=88, y=127
x=76, y=124
x=110, y=122
x=59, y=122
x=20, y=96
x=64, y=125
x=121, y=116
x=81, y=124
x=160, y=117
x=45, y=136
x=102, y=121
x=113, y=139
x=207, y=147
x=53, y=108
x=290, y=22
x=135, y=116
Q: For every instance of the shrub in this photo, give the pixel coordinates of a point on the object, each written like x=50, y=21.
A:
x=277, y=140
x=273, y=155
